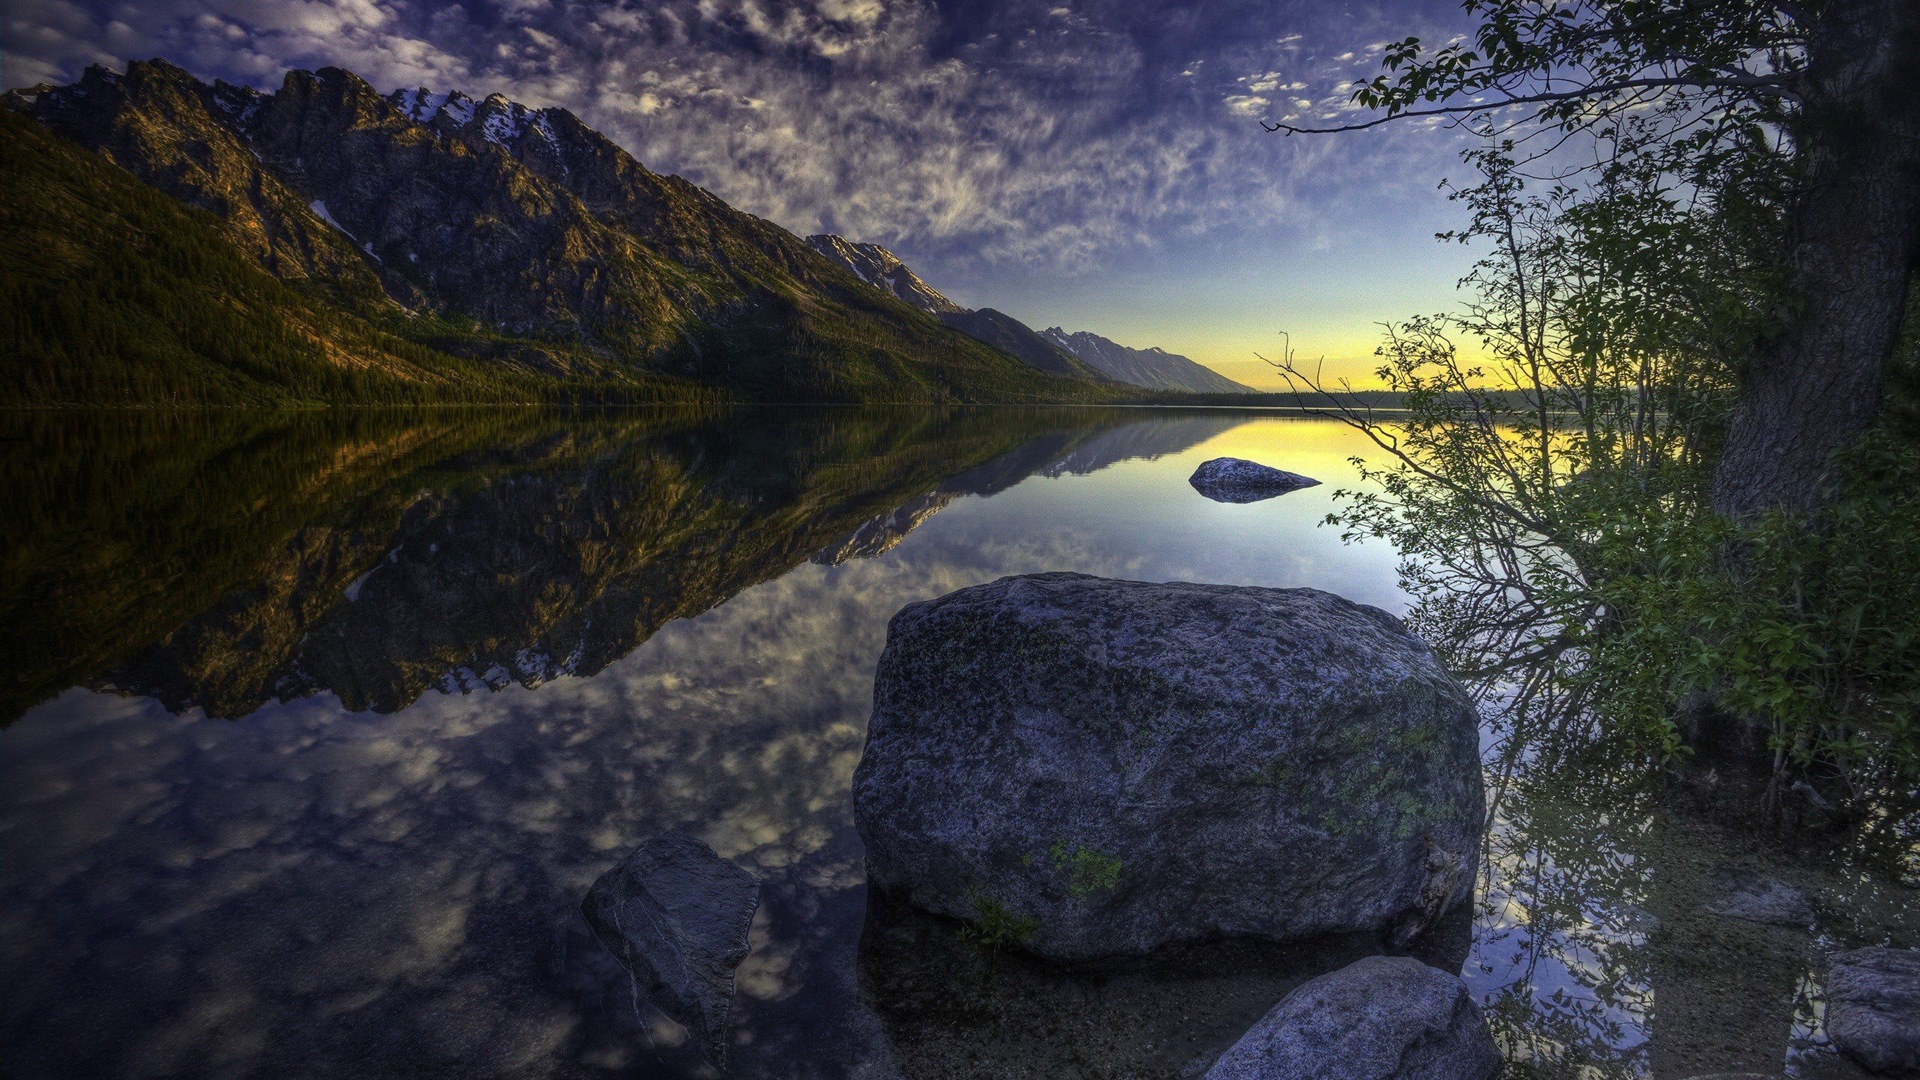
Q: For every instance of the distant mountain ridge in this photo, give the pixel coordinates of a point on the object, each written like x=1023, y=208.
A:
x=1083, y=355
x=1011, y=336
x=1155, y=367
x=883, y=269
x=476, y=230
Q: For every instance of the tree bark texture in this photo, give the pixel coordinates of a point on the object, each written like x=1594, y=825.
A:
x=1854, y=235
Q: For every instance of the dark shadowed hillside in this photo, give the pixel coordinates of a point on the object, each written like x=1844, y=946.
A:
x=519, y=240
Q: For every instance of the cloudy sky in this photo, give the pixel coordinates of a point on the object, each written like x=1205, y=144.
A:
x=1096, y=164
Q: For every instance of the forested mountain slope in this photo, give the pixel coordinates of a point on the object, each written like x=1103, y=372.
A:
x=519, y=240
x=115, y=294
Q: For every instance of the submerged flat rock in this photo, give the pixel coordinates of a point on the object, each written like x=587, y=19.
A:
x=1757, y=898
x=677, y=916
x=1088, y=768
x=1382, y=1018
x=1237, y=480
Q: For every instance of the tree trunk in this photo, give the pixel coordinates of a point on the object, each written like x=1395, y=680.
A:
x=1854, y=233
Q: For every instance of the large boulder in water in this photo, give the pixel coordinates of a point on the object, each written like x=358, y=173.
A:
x=1090, y=768
x=677, y=916
x=1873, y=1008
x=1382, y=1018
x=1237, y=480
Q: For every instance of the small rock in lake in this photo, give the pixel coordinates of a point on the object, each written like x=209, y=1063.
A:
x=1382, y=1018
x=1873, y=1008
x=1086, y=768
x=1237, y=480
x=677, y=915
x=1761, y=899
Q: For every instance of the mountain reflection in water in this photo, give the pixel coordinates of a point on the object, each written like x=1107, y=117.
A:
x=532, y=547
x=321, y=726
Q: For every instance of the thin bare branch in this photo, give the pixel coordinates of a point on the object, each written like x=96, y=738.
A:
x=1770, y=85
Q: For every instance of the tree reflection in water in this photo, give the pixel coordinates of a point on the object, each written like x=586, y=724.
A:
x=1595, y=948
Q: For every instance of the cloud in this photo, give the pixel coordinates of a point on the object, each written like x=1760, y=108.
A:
x=1023, y=131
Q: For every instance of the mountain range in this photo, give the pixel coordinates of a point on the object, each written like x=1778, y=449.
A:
x=327, y=242
x=1083, y=355
x=1154, y=368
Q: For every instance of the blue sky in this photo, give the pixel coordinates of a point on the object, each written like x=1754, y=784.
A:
x=1095, y=164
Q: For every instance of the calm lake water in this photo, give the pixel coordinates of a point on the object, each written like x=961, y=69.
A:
x=318, y=728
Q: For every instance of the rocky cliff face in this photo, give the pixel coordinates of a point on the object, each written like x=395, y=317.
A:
x=1154, y=367
x=180, y=136
x=883, y=269
x=513, y=223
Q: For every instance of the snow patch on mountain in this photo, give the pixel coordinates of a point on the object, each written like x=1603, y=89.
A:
x=459, y=108
x=498, y=119
x=502, y=127
x=883, y=270
x=418, y=104
x=239, y=102
x=319, y=207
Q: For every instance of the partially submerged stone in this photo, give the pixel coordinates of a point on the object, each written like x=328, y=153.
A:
x=951, y=1009
x=1237, y=480
x=677, y=916
x=1087, y=768
x=1873, y=1008
x=1761, y=899
x=1382, y=1018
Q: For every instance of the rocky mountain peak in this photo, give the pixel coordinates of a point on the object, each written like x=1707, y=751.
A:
x=339, y=89
x=188, y=139
x=98, y=75
x=883, y=270
x=22, y=99
x=101, y=87
x=238, y=102
x=533, y=135
x=424, y=106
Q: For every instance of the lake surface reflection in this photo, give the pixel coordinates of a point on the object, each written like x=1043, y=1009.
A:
x=319, y=728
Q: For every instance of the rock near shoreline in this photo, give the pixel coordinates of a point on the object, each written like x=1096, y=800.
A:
x=678, y=916
x=1382, y=1018
x=1087, y=768
x=1873, y=1008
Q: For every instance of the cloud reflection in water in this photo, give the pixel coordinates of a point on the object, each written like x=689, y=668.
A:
x=312, y=890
